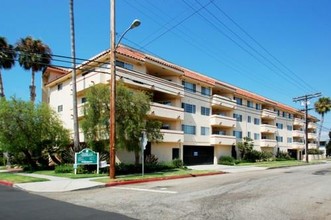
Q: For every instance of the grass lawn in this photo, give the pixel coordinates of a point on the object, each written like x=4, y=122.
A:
x=15, y=178
x=69, y=175
x=166, y=173
x=274, y=164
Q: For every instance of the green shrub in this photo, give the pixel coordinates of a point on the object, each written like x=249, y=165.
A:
x=266, y=156
x=253, y=156
x=226, y=160
x=315, y=151
x=177, y=163
x=151, y=159
x=64, y=168
x=281, y=156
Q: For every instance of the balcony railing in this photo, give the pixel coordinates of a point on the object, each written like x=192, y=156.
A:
x=268, y=114
x=216, y=139
x=298, y=122
x=298, y=145
x=223, y=102
x=268, y=143
x=312, y=136
x=312, y=125
x=266, y=128
x=298, y=133
x=166, y=111
x=150, y=82
x=173, y=136
x=312, y=146
x=222, y=121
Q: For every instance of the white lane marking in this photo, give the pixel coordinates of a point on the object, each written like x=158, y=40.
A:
x=145, y=190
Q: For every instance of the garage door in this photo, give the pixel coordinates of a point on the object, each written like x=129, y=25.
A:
x=195, y=155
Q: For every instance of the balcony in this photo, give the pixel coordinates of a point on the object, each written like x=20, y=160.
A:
x=298, y=122
x=312, y=125
x=84, y=82
x=217, y=139
x=312, y=146
x=266, y=128
x=149, y=82
x=223, y=102
x=298, y=145
x=268, y=114
x=222, y=121
x=173, y=136
x=312, y=136
x=268, y=143
x=298, y=133
x=166, y=111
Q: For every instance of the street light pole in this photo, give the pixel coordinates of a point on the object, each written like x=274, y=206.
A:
x=113, y=47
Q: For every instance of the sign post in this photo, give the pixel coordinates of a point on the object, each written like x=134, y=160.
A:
x=86, y=157
x=143, y=143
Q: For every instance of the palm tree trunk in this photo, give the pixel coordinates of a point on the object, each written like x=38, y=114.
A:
x=32, y=87
x=2, y=94
x=74, y=87
x=320, y=131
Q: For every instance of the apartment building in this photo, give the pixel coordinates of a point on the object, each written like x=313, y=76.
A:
x=203, y=118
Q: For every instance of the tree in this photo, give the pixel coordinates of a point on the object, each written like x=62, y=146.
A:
x=328, y=146
x=73, y=75
x=322, y=107
x=132, y=107
x=33, y=55
x=245, y=146
x=7, y=60
x=33, y=131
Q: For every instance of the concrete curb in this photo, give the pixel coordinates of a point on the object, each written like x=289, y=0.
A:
x=118, y=183
x=6, y=183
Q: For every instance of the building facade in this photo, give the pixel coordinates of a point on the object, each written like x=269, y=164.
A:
x=202, y=118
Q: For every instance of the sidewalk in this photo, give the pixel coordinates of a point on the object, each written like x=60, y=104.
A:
x=61, y=184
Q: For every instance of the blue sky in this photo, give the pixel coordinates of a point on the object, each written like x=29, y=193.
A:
x=280, y=49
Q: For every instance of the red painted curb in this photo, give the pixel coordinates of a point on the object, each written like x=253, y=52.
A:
x=159, y=179
x=6, y=183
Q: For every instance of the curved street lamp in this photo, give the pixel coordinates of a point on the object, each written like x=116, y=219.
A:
x=114, y=45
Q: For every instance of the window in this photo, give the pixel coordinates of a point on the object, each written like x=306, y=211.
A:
x=278, y=112
x=256, y=121
x=249, y=119
x=289, y=127
x=249, y=134
x=220, y=132
x=250, y=104
x=124, y=65
x=205, y=111
x=83, y=100
x=289, y=140
x=59, y=87
x=188, y=108
x=204, y=131
x=279, y=138
x=284, y=114
x=205, y=91
x=189, y=86
x=238, y=134
x=239, y=101
x=258, y=106
x=175, y=153
x=238, y=117
x=290, y=116
x=59, y=108
x=256, y=136
x=165, y=126
x=188, y=129
x=279, y=125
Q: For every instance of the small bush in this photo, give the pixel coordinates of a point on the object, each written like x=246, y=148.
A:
x=64, y=168
x=281, y=156
x=266, y=156
x=253, y=156
x=151, y=159
x=177, y=163
x=315, y=151
x=226, y=160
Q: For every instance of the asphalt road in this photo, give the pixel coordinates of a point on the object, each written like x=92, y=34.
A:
x=17, y=204
x=287, y=193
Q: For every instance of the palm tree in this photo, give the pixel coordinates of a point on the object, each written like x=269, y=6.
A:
x=322, y=107
x=73, y=80
x=7, y=59
x=33, y=55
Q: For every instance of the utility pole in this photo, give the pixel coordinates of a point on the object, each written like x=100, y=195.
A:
x=305, y=100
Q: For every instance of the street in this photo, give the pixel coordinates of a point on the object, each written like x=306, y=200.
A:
x=16, y=204
x=286, y=193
